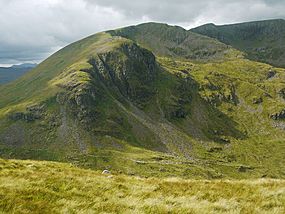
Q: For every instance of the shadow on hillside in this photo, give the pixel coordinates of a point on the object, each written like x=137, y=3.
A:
x=203, y=121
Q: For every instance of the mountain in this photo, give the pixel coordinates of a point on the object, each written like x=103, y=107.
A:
x=149, y=100
x=8, y=74
x=261, y=40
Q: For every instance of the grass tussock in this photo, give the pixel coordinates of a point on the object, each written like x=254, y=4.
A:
x=47, y=187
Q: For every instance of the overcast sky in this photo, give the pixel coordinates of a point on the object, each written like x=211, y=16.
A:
x=31, y=30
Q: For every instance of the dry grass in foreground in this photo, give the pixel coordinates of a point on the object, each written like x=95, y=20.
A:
x=48, y=187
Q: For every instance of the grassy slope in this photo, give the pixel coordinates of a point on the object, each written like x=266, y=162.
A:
x=48, y=187
x=261, y=40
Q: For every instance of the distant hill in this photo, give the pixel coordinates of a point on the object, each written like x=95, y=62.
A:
x=8, y=74
x=261, y=40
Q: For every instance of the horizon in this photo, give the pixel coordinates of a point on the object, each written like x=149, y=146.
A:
x=36, y=30
x=7, y=65
x=10, y=65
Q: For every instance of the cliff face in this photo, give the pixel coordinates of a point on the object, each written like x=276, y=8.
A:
x=131, y=69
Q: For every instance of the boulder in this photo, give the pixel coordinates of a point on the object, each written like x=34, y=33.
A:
x=106, y=172
x=270, y=74
x=278, y=116
x=243, y=168
x=257, y=100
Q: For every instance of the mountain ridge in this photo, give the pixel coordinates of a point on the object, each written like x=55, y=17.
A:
x=174, y=41
x=244, y=23
x=261, y=40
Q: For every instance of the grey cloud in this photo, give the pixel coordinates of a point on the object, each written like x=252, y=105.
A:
x=33, y=29
x=162, y=10
x=189, y=13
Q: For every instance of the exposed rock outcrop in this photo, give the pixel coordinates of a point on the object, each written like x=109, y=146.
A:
x=32, y=113
x=279, y=115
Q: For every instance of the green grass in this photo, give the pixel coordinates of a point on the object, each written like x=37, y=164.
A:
x=48, y=187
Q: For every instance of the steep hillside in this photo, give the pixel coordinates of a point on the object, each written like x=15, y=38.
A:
x=48, y=187
x=262, y=40
x=11, y=73
x=107, y=102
